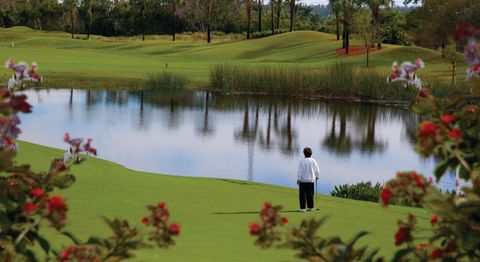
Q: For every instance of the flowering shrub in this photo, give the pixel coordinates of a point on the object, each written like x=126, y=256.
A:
x=27, y=199
x=304, y=239
x=451, y=135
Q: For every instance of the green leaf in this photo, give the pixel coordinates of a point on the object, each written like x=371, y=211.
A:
x=44, y=244
x=441, y=168
x=95, y=241
x=400, y=254
x=72, y=237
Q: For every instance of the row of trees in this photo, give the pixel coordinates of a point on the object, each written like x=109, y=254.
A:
x=141, y=17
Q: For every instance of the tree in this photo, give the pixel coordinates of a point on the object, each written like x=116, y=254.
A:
x=71, y=7
x=260, y=13
x=279, y=13
x=451, y=55
x=336, y=7
x=249, y=5
x=292, y=14
x=367, y=31
x=90, y=9
x=374, y=6
x=272, y=13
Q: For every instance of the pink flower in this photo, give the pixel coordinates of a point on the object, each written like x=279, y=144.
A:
x=162, y=205
x=145, y=220
x=434, y=220
x=284, y=221
x=56, y=203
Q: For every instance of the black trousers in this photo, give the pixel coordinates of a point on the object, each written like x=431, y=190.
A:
x=306, y=192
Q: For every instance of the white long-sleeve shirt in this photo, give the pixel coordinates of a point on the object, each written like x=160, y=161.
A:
x=308, y=170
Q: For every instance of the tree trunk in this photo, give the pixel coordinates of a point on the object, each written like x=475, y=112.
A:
x=454, y=65
x=292, y=14
x=272, y=3
x=174, y=25
x=347, y=39
x=279, y=13
x=344, y=32
x=443, y=48
x=338, y=25
x=249, y=17
x=376, y=18
x=368, y=53
x=209, y=25
x=72, y=23
x=260, y=11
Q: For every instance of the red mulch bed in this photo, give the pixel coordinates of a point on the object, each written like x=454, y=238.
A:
x=355, y=50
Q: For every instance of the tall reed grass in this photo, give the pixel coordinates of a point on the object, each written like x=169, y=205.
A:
x=340, y=80
x=166, y=80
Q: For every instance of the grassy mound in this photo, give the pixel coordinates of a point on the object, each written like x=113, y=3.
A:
x=119, y=60
x=214, y=213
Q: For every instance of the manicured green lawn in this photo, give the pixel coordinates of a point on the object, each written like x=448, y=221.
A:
x=214, y=213
x=119, y=61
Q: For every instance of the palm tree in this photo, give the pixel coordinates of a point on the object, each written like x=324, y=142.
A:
x=249, y=5
x=272, y=4
x=260, y=11
x=336, y=7
x=209, y=21
x=175, y=8
x=374, y=6
x=71, y=8
x=292, y=14
x=279, y=13
x=90, y=10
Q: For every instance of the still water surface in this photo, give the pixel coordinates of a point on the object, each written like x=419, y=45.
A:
x=241, y=137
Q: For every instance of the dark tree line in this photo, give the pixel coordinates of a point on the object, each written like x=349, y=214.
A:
x=144, y=17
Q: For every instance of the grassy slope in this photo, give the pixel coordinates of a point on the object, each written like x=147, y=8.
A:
x=214, y=213
x=104, y=59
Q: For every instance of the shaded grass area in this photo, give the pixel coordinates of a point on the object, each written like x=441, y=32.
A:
x=105, y=62
x=214, y=213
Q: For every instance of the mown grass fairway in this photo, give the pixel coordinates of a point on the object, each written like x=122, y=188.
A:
x=214, y=213
x=118, y=61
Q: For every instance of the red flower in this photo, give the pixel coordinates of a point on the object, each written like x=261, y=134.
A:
x=175, y=229
x=434, y=219
x=145, y=220
x=29, y=207
x=284, y=221
x=428, y=129
x=402, y=235
x=419, y=180
x=437, y=253
x=266, y=206
x=37, y=192
x=66, y=137
x=255, y=229
x=65, y=255
x=162, y=205
x=56, y=203
x=448, y=119
x=455, y=134
x=386, y=195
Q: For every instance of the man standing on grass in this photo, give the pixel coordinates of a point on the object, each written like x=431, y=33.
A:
x=308, y=172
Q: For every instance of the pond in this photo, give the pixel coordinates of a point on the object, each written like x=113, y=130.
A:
x=254, y=138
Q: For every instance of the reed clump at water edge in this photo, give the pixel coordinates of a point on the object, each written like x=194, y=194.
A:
x=338, y=81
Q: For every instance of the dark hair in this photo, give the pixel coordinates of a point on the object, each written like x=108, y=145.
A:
x=307, y=152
